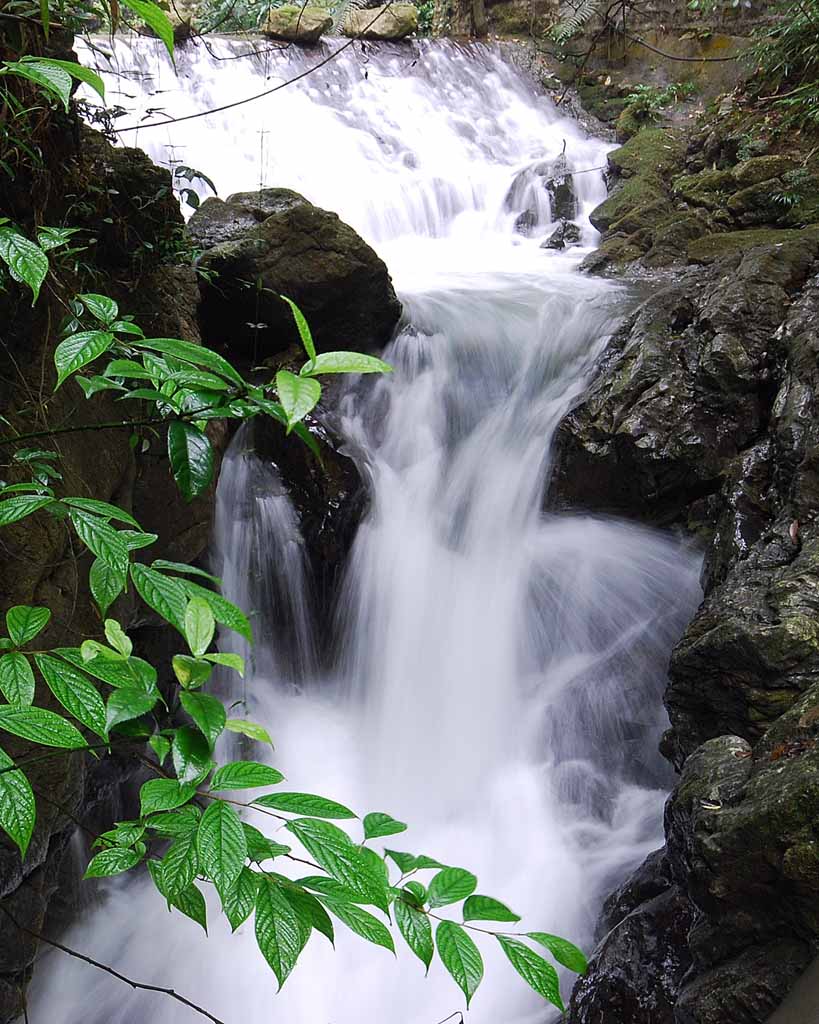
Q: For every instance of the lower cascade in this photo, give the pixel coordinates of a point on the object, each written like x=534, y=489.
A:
x=499, y=668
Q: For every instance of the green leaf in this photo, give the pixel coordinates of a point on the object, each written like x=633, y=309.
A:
x=180, y=864
x=91, y=385
x=162, y=795
x=344, y=362
x=361, y=922
x=245, y=775
x=118, y=638
x=128, y=368
x=534, y=970
x=207, y=712
x=416, y=929
x=17, y=808
x=277, y=929
x=161, y=746
x=101, y=307
x=305, y=803
x=125, y=833
x=250, y=729
x=298, y=395
x=460, y=956
x=155, y=18
x=131, y=674
x=179, y=822
x=164, y=594
x=310, y=913
x=82, y=74
x=102, y=539
x=43, y=72
x=191, y=755
x=74, y=691
x=103, y=509
x=26, y=260
x=259, y=847
x=379, y=824
x=24, y=623
x=78, y=350
x=484, y=908
x=563, y=951
x=190, y=672
x=238, y=902
x=303, y=328
x=107, y=582
x=221, y=844
x=40, y=726
x=228, y=660
x=190, y=901
x=199, y=355
x=200, y=626
x=190, y=570
x=340, y=857
x=416, y=891
x=332, y=888
x=16, y=679
x=191, y=457
x=113, y=861
x=127, y=703
x=224, y=611
x=13, y=509
x=134, y=540
x=450, y=886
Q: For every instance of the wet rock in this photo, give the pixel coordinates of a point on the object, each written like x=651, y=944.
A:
x=542, y=193
x=389, y=22
x=296, y=24
x=260, y=245
x=761, y=168
x=566, y=233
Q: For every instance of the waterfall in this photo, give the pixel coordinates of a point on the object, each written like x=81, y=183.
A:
x=501, y=669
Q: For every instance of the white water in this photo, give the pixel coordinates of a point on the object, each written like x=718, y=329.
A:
x=500, y=670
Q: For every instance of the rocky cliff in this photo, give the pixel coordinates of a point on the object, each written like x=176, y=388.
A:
x=703, y=417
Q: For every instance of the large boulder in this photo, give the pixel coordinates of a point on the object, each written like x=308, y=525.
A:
x=389, y=22
x=295, y=24
x=258, y=246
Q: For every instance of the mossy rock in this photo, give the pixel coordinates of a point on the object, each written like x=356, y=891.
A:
x=758, y=204
x=716, y=247
x=630, y=196
x=709, y=188
x=632, y=119
x=292, y=23
x=616, y=251
x=653, y=152
x=761, y=168
x=648, y=216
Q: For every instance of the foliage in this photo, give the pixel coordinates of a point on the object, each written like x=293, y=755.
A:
x=110, y=695
x=426, y=15
x=575, y=18
x=785, y=59
x=647, y=102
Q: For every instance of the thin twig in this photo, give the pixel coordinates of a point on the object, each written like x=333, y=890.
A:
x=110, y=970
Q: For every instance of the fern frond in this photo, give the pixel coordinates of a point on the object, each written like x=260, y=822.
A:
x=573, y=23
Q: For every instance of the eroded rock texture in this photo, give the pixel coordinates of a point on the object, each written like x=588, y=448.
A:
x=703, y=416
x=260, y=245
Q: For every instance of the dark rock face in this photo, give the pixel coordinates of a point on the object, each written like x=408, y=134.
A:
x=541, y=193
x=704, y=415
x=566, y=233
x=259, y=245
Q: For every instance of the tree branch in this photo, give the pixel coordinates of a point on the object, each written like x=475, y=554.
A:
x=110, y=970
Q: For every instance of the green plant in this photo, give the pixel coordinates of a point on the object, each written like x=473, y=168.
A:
x=188, y=832
x=426, y=15
x=785, y=59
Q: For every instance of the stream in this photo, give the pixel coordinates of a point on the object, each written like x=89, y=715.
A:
x=500, y=669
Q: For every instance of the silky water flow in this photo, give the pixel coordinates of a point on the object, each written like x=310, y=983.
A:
x=499, y=669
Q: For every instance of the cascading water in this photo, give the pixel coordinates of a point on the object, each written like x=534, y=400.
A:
x=501, y=669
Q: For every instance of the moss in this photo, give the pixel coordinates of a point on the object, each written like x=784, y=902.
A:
x=649, y=215
x=632, y=195
x=711, y=248
x=653, y=152
x=761, y=168
x=709, y=188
